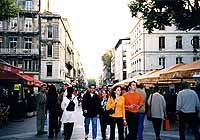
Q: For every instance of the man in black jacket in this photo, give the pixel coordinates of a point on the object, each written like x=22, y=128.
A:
x=91, y=108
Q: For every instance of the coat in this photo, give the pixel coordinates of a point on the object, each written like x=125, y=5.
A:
x=68, y=116
x=91, y=104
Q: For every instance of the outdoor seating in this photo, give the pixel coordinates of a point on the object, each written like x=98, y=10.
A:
x=4, y=112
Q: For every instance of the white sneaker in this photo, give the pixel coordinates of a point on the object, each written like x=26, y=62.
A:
x=86, y=137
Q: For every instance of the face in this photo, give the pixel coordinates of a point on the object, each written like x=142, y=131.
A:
x=92, y=89
x=43, y=88
x=118, y=91
x=65, y=87
x=104, y=88
x=133, y=86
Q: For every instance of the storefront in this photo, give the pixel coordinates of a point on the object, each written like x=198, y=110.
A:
x=19, y=88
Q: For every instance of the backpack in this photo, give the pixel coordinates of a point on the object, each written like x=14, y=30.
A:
x=71, y=105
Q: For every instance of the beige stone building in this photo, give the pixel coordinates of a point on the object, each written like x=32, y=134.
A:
x=56, y=49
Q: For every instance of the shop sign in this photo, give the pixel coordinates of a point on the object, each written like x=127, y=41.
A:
x=17, y=86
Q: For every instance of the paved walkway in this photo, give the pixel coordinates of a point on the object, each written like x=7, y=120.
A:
x=26, y=130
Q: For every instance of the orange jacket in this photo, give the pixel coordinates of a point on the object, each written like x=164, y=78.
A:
x=119, y=107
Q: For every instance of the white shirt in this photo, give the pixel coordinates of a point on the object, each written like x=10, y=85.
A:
x=187, y=101
x=158, y=105
x=68, y=116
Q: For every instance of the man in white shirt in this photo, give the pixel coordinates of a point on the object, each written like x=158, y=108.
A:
x=187, y=106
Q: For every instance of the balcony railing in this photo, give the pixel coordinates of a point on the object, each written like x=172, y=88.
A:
x=19, y=51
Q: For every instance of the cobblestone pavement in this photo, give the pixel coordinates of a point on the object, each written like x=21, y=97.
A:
x=26, y=130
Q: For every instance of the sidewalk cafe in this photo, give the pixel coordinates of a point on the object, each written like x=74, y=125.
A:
x=14, y=87
x=169, y=80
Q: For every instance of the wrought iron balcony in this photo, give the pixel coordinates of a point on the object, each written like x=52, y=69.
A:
x=19, y=51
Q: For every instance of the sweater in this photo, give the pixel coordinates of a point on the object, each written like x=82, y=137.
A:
x=118, y=107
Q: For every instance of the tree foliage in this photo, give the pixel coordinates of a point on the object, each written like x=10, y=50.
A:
x=8, y=9
x=106, y=58
x=185, y=14
x=91, y=81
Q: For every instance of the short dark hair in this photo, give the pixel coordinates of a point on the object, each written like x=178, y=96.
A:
x=156, y=88
x=184, y=85
x=131, y=83
x=70, y=90
x=92, y=85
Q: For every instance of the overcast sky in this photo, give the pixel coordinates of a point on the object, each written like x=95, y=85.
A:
x=96, y=26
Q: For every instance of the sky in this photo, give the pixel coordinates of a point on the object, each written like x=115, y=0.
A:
x=96, y=26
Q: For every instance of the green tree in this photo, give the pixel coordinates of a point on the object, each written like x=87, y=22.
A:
x=8, y=9
x=106, y=58
x=91, y=81
x=185, y=14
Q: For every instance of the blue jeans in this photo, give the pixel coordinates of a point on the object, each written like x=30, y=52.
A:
x=141, y=117
x=94, y=126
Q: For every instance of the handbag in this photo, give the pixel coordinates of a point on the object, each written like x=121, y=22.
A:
x=149, y=109
x=110, y=111
x=166, y=125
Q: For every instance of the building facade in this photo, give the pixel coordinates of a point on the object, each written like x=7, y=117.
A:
x=56, y=49
x=121, y=58
x=19, y=38
x=162, y=48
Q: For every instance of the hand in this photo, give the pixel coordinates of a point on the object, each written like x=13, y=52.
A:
x=85, y=111
x=165, y=115
x=177, y=116
x=124, y=123
x=198, y=115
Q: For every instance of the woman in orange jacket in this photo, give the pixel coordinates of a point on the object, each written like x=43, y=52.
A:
x=116, y=103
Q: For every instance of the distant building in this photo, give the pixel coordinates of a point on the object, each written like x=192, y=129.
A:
x=121, y=59
x=162, y=48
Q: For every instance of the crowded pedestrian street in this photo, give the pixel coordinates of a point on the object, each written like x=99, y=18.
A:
x=26, y=130
x=99, y=70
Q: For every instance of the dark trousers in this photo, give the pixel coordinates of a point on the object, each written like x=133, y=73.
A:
x=59, y=122
x=132, y=122
x=157, y=122
x=68, y=129
x=120, y=126
x=103, y=122
x=53, y=124
x=191, y=119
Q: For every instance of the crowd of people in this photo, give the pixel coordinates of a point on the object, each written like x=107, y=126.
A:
x=121, y=107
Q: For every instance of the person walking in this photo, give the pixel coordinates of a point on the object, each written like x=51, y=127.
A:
x=69, y=115
x=53, y=113
x=59, y=109
x=63, y=91
x=41, y=110
x=116, y=103
x=133, y=103
x=187, y=106
x=91, y=108
x=103, y=114
x=158, y=110
x=141, y=116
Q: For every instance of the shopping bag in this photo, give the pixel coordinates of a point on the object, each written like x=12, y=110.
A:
x=166, y=125
x=46, y=123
